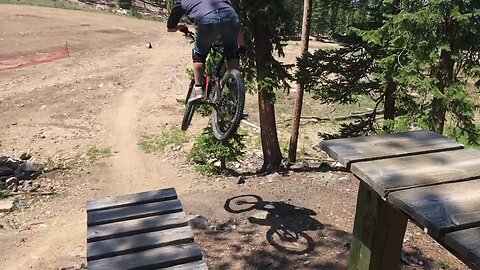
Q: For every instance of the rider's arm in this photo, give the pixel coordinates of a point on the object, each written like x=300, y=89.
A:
x=175, y=16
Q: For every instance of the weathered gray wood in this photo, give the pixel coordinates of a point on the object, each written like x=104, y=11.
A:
x=378, y=233
x=129, y=244
x=198, y=265
x=350, y=150
x=441, y=208
x=150, y=259
x=420, y=170
x=466, y=244
x=132, y=199
x=136, y=226
x=133, y=212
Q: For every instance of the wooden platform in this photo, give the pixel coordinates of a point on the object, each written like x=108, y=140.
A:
x=146, y=230
x=422, y=175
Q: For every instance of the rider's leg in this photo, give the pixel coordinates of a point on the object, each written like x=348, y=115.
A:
x=198, y=72
x=206, y=34
x=230, y=31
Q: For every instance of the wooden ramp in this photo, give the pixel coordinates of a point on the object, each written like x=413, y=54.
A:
x=146, y=230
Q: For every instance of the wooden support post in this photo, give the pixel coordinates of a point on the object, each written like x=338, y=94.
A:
x=378, y=233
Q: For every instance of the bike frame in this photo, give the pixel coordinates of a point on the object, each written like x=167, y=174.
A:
x=213, y=70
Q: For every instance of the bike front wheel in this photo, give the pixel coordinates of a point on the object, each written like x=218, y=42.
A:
x=189, y=109
x=230, y=102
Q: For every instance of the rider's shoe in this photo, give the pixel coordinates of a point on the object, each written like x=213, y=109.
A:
x=196, y=95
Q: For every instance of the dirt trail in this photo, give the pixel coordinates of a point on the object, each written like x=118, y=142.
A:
x=106, y=95
x=109, y=86
x=132, y=170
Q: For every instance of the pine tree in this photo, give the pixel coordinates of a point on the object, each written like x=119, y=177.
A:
x=292, y=150
x=441, y=39
x=413, y=57
x=267, y=24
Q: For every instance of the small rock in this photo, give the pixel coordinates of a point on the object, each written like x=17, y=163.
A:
x=227, y=226
x=324, y=167
x=13, y=187
x=6, y=205
x=306, y=263
x=241, y=180
x=9, y=162
x=28, y=186
x=198, y=222
x=344, y=179
x=408, y=237
x=273, y=177
x=259, y=215
x=5, y=171
x=337, y=165
x=25, y=156
x=11, y=180
x=148, y=45
x=300, y=166
x=43, y=107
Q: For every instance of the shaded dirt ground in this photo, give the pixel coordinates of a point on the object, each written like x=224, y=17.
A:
x=106, y=95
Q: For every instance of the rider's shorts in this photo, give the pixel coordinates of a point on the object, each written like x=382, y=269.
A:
x=219, y=23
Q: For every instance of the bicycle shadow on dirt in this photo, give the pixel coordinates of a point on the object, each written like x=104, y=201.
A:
x=288, y=223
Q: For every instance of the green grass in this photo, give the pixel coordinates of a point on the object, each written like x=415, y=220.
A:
x=92, y=157
x=3, y=194
x=454, y=133
x=446, y=265
x=94, y=154
x=154, y=143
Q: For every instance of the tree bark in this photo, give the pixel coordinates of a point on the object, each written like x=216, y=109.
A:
x=389, y=113
x=292, y=151
x=445, y=76
x=334, y=15
x=272, y=156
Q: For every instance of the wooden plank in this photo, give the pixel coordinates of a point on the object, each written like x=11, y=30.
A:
x=466, y=244
x=350, y=150
x=136, y=226
x=198, y=265
x=132, y=199
x=377, y=234
x=421, y=170
x=150, y=259
x=441, y=208
x=133, y=212
x=129, y=244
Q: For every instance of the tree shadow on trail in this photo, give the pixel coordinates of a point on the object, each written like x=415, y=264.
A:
x=321, y=168
x=288, y=223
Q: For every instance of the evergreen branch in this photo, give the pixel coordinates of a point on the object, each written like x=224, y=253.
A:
x=340, y=118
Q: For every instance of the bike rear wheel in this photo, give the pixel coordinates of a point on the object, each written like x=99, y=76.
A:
x=230, y=100
x=189, y=109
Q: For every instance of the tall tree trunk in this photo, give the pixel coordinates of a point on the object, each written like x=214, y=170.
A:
x=292, y=151
x=445, y=76
x=389, y=113
x=272, y=156
x=334, y=15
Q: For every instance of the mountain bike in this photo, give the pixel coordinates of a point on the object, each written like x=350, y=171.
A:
x=224, y=91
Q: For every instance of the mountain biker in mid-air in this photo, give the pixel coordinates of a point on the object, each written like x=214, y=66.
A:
x=213, y=18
